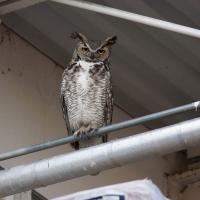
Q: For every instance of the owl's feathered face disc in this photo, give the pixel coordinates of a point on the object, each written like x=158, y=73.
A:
x=91, y=50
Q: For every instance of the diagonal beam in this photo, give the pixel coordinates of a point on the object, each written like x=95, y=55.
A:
x=132, y=17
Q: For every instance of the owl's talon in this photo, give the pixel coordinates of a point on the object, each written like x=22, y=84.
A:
x=80, y=134
x=77, y=134
x=92, y=131
x=85, y=133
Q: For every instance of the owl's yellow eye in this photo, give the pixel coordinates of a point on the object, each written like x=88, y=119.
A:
x=101, y=51
x=84, y=49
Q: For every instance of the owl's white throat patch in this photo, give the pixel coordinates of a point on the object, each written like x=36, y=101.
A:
x=86, y=65
x=84, y=79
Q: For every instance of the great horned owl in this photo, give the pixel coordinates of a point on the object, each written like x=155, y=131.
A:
x=86, y=89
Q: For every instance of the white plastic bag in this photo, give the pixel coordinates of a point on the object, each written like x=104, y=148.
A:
x=134, y=190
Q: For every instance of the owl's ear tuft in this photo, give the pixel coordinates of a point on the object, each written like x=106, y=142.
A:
x=111, y=40
x=80, y=36
x=74, y=35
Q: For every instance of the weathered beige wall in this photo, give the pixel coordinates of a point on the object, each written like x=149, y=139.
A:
x=30, y=113
x=192, y=193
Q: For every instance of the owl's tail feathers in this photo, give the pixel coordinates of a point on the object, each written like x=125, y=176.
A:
x=85, y=143
x=75, y=145
x=90, y=142
x=105, y=138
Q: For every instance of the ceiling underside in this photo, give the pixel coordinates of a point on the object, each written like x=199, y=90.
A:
x=152, y=69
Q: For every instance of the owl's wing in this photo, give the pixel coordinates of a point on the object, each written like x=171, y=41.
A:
x=65, y=113
x=108, y=109
x=109, y=106
x=64, y=103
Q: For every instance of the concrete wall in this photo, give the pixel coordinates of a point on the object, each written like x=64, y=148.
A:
x=30, y=113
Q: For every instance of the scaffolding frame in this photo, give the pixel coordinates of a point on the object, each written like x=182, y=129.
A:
x=104, y=156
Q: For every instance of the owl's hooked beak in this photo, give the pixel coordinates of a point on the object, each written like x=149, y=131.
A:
x=92, y=56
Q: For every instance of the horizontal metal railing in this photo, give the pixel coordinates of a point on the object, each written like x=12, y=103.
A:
x=100, y=131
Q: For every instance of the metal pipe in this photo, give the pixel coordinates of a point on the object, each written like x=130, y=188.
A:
x=105, y=156
x=132, y=17
x=100, y=131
